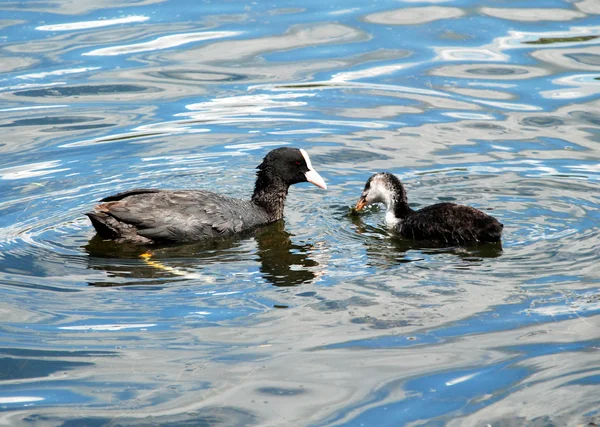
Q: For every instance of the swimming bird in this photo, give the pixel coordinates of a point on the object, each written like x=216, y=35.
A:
x=446, y=223
x=147, y=216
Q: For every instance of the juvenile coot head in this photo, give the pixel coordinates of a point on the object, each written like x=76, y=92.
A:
x=383, y=188
x=291, y=165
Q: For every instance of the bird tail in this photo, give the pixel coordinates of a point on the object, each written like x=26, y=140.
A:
x=101, y=223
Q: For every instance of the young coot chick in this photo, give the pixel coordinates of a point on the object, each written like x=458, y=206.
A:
x=146, y=216
x=447, y=223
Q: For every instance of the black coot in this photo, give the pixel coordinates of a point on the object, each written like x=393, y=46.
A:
x=443, y=222
x=146, y=216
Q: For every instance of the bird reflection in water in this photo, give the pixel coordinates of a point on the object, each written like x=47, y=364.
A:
x=395, y=249
x=282, y=262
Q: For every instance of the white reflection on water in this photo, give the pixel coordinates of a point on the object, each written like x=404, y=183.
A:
x=510, y=105
x=369, y=72
x=20, y=399
x=586, y=168
x=557, y=310
x=109, y=327
x=461, y=379
x=533, y=14
x=344, y=11
x=341, y=84
x=56, y=73
x=414, y=15
x=92, y=24
x=585, y=85
x=255, y=145
x=520, y=39
x=30, y=86
x=469, y=116
x=469, y=54
x=248, y=103
x=31, y=170
x=164, y=42
x=491, y=71
x=33, y=107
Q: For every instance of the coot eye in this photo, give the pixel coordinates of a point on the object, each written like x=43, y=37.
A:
x=298, y=162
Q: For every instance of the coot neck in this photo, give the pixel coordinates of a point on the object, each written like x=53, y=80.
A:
x=401, y=209
x=269, y=194
x=398, y=203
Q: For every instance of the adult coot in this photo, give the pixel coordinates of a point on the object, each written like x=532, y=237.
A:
x=447, y=223
x=146, y=216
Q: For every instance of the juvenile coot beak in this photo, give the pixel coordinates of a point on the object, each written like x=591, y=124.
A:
x=362, y=202
x=311, y=175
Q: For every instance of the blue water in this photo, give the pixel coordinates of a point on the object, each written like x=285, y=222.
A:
x=324, y=318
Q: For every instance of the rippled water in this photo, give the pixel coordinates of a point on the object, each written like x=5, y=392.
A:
x=325, y=318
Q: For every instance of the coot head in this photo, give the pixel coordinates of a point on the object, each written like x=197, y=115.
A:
x=383, y=188
x=291, y=165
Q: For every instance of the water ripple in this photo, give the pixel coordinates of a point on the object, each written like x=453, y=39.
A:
x=327, y=314
x=84, y=25
x=414, y=15
x=164, y=42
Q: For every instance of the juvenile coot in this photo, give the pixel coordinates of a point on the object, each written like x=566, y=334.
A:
x=443, y=222
x=146, y=216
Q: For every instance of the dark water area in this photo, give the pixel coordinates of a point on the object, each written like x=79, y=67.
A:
x=325, y=318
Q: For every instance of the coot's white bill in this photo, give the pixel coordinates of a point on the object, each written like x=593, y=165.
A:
x=312, y=176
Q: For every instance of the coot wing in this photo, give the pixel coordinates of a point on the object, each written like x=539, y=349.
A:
x=176, y=215
x=124, y=194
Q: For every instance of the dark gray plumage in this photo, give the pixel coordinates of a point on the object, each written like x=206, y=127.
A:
x=446, y=223
x=146, y=216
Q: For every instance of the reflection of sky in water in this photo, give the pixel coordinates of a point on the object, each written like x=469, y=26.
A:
x=92, y=24
x=326, y=316
x=165, y=42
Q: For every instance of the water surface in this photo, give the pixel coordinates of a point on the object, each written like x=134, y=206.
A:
x=324, y=318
